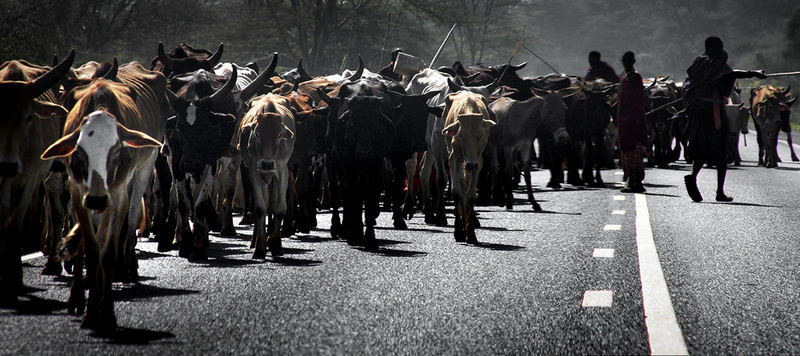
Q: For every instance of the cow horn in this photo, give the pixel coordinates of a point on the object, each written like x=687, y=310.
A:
x=324, y=96
x=302, y=72
x=460, y=69
x=168, y=62
x=359, y=72
x=518, y=66
x=453, y=86
x=214, y=59
x=262, y=78
x=493, y=85
x=112, y=72
x=52, y=76
x=55, y=60
x=226, y=89
x=788, y=90
x=171, y=97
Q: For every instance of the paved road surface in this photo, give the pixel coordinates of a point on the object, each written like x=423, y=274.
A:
x=730, y=271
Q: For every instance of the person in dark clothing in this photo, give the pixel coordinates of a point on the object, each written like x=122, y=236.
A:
x=632, y=126
x=388, y=71
x=600, y=70
x=709, y=84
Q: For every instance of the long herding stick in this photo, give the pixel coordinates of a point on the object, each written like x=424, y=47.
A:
x=782, y=74
x=439, y=51
x=541, y=59
x=383, y=48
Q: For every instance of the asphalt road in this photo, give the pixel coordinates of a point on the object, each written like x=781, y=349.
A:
x=730, y=269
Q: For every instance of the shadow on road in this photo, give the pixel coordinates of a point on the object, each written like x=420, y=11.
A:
x=498, y=247
x=390, y=252
x=496, y=228
x=132, y=336
x=653, y=185
x=745, y=204
x=221, y=262
x=132, y=292
x=147, y=255
x=662, y=195
x=27, y=304
x=312, y=238
x=295, y=262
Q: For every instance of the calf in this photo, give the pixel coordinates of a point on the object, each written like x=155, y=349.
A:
x=770, y=109
x=265, y=142
x=110, y=153
x=467, y=124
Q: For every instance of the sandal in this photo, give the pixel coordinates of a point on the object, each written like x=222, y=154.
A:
x=724, y=198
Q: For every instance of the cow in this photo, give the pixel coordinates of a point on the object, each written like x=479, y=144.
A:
x=248, y=84
x=467, y=123
x=296, y=75
x=198, y=135
x=110, y=142
x=517, y=125
x=265, y=141
x=184, y=59
x=738, y=116
x=426, y=81
x=660, y=101
x=770, y=106
x=588, y=116
x=361, y=129
x=31, y=118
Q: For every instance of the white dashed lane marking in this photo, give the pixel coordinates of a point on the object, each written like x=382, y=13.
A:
x=32, y=256
x=603, y=253
x=664, y=333
x=618, y=212
x=612, y=227
x=619, y=197
x=597, y=298
x=619, y=173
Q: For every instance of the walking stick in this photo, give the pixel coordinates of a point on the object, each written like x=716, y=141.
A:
x=439, y=51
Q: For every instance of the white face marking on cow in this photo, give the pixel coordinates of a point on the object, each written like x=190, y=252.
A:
x=98, y=135
x=191, y=114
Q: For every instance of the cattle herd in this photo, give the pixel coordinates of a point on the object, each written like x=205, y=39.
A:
x=95, y=156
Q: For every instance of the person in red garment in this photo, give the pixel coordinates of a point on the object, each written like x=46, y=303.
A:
x=706, y=90
x=632, y=125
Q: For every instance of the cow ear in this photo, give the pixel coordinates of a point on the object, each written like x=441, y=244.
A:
x=436, y=111
x=46, y=109
x=244, y=137
x=63, y=147
x=451, y=129
x=218, y=118
x=136, y=139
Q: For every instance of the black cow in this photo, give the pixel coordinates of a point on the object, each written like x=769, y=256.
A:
x=184, y=59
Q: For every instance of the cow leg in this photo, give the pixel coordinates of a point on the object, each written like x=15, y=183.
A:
x=305, y=199
x=791, y=146
x=372, y=210
x=425, y=182
x=397, y=185
x=259, y=239
x=508, y=153
x=247, y=214
x=203, y=211
x=441, y=185
x=164, y=217
x=525, y=169
x=573, y=161
x=289, y=218
x=408, y=202
x=458, y=223
x=469, y=220
x=227, y=178
x=76, y=303
x=55, y=212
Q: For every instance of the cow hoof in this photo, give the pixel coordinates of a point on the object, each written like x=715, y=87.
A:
x=76, y=304
x=228, y=231
x=537, y=207
x=575, y=182
x=259, y=254
x=795, y=159
x=89, y=321
x=554, y=185
x=473, y=241
x=247, y=219
x=275, y=248
x=400, y=224
x=52, y=268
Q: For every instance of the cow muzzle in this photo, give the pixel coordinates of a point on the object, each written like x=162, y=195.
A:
x=96, y=202
x=266, y=165
x=9, y=169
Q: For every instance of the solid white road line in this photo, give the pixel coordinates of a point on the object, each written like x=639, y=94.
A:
x=618, y=212
x=664, y=333
x=32, y=256
x=597, y=298
x=619, y=197
x=612, y=227
x=603, y=253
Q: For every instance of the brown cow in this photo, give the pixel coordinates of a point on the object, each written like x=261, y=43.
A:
x=466, y=130
x=29, y=120
x=265, y=142
x=110, y=149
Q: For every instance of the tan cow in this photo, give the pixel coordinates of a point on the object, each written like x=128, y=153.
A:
x=110, y=148
x=30, y=119
x=466, y=130
x=265, y=142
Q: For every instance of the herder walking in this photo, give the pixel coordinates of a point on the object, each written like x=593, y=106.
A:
x=632, y=126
